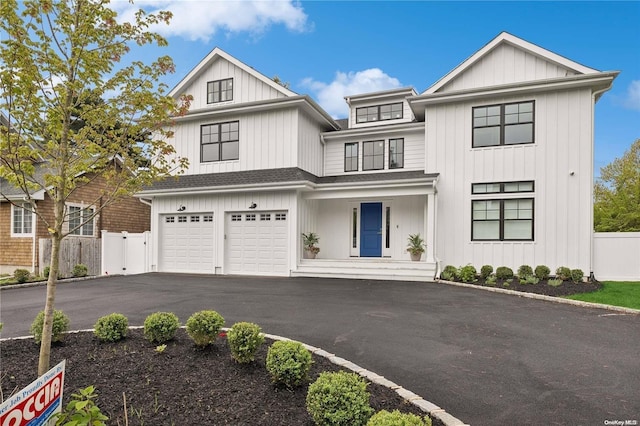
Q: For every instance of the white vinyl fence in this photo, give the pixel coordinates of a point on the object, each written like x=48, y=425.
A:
x=125, y=253
x=616, y=256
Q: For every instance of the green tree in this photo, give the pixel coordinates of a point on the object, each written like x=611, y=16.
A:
x=617, y=194
x=75, y=107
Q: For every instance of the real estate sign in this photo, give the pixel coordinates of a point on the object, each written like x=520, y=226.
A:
x=36, y=404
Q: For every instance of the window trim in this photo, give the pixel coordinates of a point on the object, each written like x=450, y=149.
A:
x=378, y=107
x=220, y=143
x=389, y=149
x=357, y=156
x=502, y=219
x=83, y=209
x=502, y=125
x=364, y=143
x=212, y=84
x=24, y=212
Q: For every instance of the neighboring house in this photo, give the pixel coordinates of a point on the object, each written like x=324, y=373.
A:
x=20, y=229
x=493, y=164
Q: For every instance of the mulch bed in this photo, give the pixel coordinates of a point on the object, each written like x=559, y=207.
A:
x=181, y=386
x=567, y=288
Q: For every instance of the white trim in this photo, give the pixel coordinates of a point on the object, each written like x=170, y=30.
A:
x=33, y=220
x=83, y=207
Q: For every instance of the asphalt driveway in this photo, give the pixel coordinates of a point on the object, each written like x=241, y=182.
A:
x=488, y=359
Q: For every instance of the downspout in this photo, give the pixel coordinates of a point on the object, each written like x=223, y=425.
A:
x=594, y=95
x=34, y=239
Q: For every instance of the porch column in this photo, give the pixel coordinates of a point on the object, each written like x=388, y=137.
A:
x=431, y=227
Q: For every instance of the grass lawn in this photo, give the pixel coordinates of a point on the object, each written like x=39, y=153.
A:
x=616, y=293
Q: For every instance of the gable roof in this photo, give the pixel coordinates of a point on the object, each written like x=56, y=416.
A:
x=215, y=55
x=506, y=38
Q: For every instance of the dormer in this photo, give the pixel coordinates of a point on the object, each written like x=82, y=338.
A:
x=380, y=108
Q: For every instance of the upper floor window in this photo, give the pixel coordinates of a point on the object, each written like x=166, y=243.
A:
x=396, y=153
x=219, y=142
x=373, y=155
x=351, y=157
x=220, y=91
x=81, y=221
x=379, y=113
x=504, y=124
x=502, y=187
x=22, y=220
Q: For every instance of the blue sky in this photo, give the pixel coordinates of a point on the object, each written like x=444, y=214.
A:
x=332, y=49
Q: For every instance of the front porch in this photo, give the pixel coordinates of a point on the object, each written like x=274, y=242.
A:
x=367, y=268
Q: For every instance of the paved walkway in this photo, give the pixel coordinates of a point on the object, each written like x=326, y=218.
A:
x=488, y=359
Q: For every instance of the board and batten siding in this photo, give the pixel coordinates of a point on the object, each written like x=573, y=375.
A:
x=506, y=64
x=562, y=201
x=246, y=88
x=309, y=147
x=220, y=205
x=268, y=140
x=413, y=153
x=407, y=113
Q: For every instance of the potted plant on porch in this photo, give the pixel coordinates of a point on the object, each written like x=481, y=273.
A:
x=309, y=242
x=415, y=246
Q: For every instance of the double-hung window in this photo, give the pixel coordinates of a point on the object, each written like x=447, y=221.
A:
x=22, y=220
x=373, y=155
x=351, y=157
x=81, y=221
x=379, y=113
x=220, y=91
x=396, y=153
x=504, y=124
x=509, y=217
x=219, y=142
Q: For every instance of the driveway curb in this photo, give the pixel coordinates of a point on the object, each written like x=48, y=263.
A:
x=544, y=297
x=428, y=407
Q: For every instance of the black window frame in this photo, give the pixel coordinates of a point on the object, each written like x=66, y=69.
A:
x=350, y=158
x=218, y=84
x=377, y=112
x=396, y=154
x=502, y=219
x=221, y=143
x=502, y=187
x=365, y=156
x=503, y=125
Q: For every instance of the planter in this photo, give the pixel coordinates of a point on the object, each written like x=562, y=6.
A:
x=416, y=256
x=308, y=254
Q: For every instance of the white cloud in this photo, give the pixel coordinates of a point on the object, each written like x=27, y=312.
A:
x=632, y=100
x=331, y=95
x=200, y=19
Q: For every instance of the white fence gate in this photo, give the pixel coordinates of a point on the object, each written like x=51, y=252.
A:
x=616, y=256
x=125, y=253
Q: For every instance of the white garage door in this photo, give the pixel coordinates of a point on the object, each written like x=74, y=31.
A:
x=257, y=243
x=186, y=243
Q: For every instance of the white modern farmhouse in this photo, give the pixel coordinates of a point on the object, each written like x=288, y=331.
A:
x=493, y=164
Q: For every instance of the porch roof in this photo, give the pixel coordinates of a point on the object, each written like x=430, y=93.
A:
x=270, y=179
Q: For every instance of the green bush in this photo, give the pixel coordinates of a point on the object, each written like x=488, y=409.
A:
x=82, y=410
x=491, y=280
x=449, y=273
x=111, y=328
x=577, y=275
x=542, y=272
x=45, y=271
x=529, y=279
x=525, y=271
x=60, y=326
x=21, y=275
x=339, y=399
x=203, y=327
x=485, y=271
x=555, y=282
x=504, y=273
x=467, y=274
x=80, y=270
x=244, y=339
x=563, y=273
x=160, y=327
x=288, y=363
x=396, y=418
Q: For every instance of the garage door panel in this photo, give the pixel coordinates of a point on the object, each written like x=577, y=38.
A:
x=186, y=243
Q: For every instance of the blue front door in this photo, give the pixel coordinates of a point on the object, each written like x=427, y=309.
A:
x=371, y=229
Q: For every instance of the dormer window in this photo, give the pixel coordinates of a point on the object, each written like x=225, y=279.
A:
x=220, y=91
x=379, y=113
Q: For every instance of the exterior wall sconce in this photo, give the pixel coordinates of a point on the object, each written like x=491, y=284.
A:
x=181, y=208
x=253, y=206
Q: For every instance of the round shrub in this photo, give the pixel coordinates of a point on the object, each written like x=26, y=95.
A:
x=542, y=272
x=339, y=399
x=60, y=326
x=45, y=271
x=577, y=275
x=449, y=273
x=288, y=363
x=21, y=275
x=467, y=274
x=111, y=328
x=160, y=327
x=396, y=418
x=525, y=271
x=203, y=327
x=244, y=339
x=563, y=273
x=485, y=271
x=504, y=273
x=80, y=270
